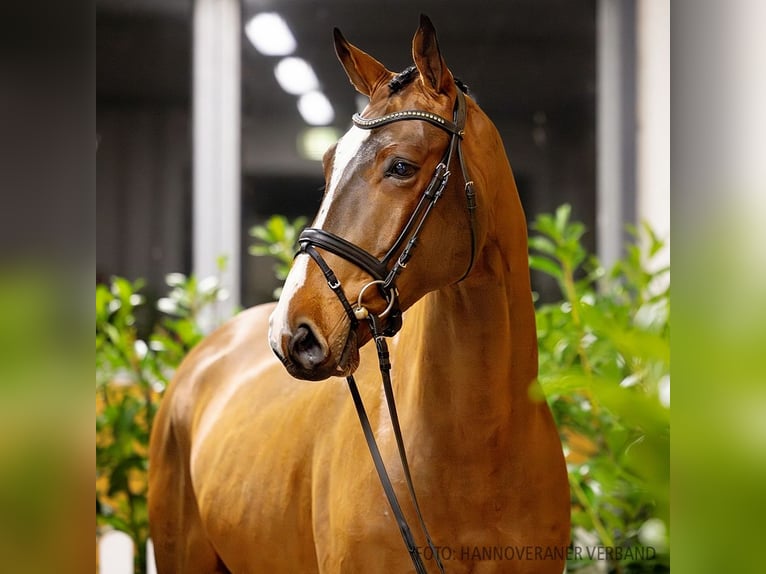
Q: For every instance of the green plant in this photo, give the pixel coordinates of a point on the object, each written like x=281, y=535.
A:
x=278, y=238
x=133, y=367
x=604, y=368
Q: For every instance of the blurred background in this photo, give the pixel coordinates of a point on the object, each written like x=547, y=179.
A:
x=213, y=115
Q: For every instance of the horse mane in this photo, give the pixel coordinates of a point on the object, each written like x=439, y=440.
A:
x=406, y=76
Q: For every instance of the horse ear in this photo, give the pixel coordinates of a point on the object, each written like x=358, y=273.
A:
x=364, y=71
x=428, y=58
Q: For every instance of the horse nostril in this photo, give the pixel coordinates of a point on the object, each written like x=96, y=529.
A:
x=305, y=349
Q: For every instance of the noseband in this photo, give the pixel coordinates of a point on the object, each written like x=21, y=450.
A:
x=385, y=280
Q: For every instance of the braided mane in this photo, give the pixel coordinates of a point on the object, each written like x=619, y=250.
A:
x=406, y=76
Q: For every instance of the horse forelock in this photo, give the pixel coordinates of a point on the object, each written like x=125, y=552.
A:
x=402, y=79
x=406, y=76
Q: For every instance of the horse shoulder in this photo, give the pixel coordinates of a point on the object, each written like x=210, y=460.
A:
x=177, y=528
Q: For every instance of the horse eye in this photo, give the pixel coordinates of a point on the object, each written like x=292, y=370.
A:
x=401, y=169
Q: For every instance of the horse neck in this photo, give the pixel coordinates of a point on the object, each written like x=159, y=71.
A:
x=468, y=352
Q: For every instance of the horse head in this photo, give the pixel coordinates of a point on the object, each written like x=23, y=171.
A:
x=383, y=179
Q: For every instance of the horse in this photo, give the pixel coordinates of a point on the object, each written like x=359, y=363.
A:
x=257, y=461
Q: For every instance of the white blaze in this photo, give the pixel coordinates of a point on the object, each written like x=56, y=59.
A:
x=348, y=147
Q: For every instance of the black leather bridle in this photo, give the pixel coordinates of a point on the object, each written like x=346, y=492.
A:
x=385, y=279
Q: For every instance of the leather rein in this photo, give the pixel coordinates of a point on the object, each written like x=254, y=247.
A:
x=388, y=322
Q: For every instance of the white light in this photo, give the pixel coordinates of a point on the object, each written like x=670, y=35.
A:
x=270, y=34
x=313, y=142
x=663, y=391
x=316, y=109
x=296, y=76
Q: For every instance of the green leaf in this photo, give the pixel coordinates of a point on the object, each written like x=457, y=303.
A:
x=562, y=218
x=543, y=244
x=221, y=262
x=567, y=384
x=259, y=250
x=546, y=225
x=545, y=265
x=277, y=226
x=114, y=520
x=261, y=233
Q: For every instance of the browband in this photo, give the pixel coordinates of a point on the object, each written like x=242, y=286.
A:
x=438, y=121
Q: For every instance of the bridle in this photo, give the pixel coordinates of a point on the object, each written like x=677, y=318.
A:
x=384, y=278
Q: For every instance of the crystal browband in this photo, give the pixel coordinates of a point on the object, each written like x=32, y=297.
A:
x=434, y=119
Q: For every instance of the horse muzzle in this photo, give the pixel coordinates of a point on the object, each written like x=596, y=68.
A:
x=307, y=355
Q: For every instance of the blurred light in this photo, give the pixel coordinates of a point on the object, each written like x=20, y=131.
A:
x=663, y=391
x=296, y=76
x=316, y=109
x=654, y=533
x=270, y=34
x=313, y=142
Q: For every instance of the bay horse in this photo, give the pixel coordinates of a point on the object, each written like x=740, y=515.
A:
x=253, y=469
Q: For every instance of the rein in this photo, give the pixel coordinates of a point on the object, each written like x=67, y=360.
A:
x=385, y=279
